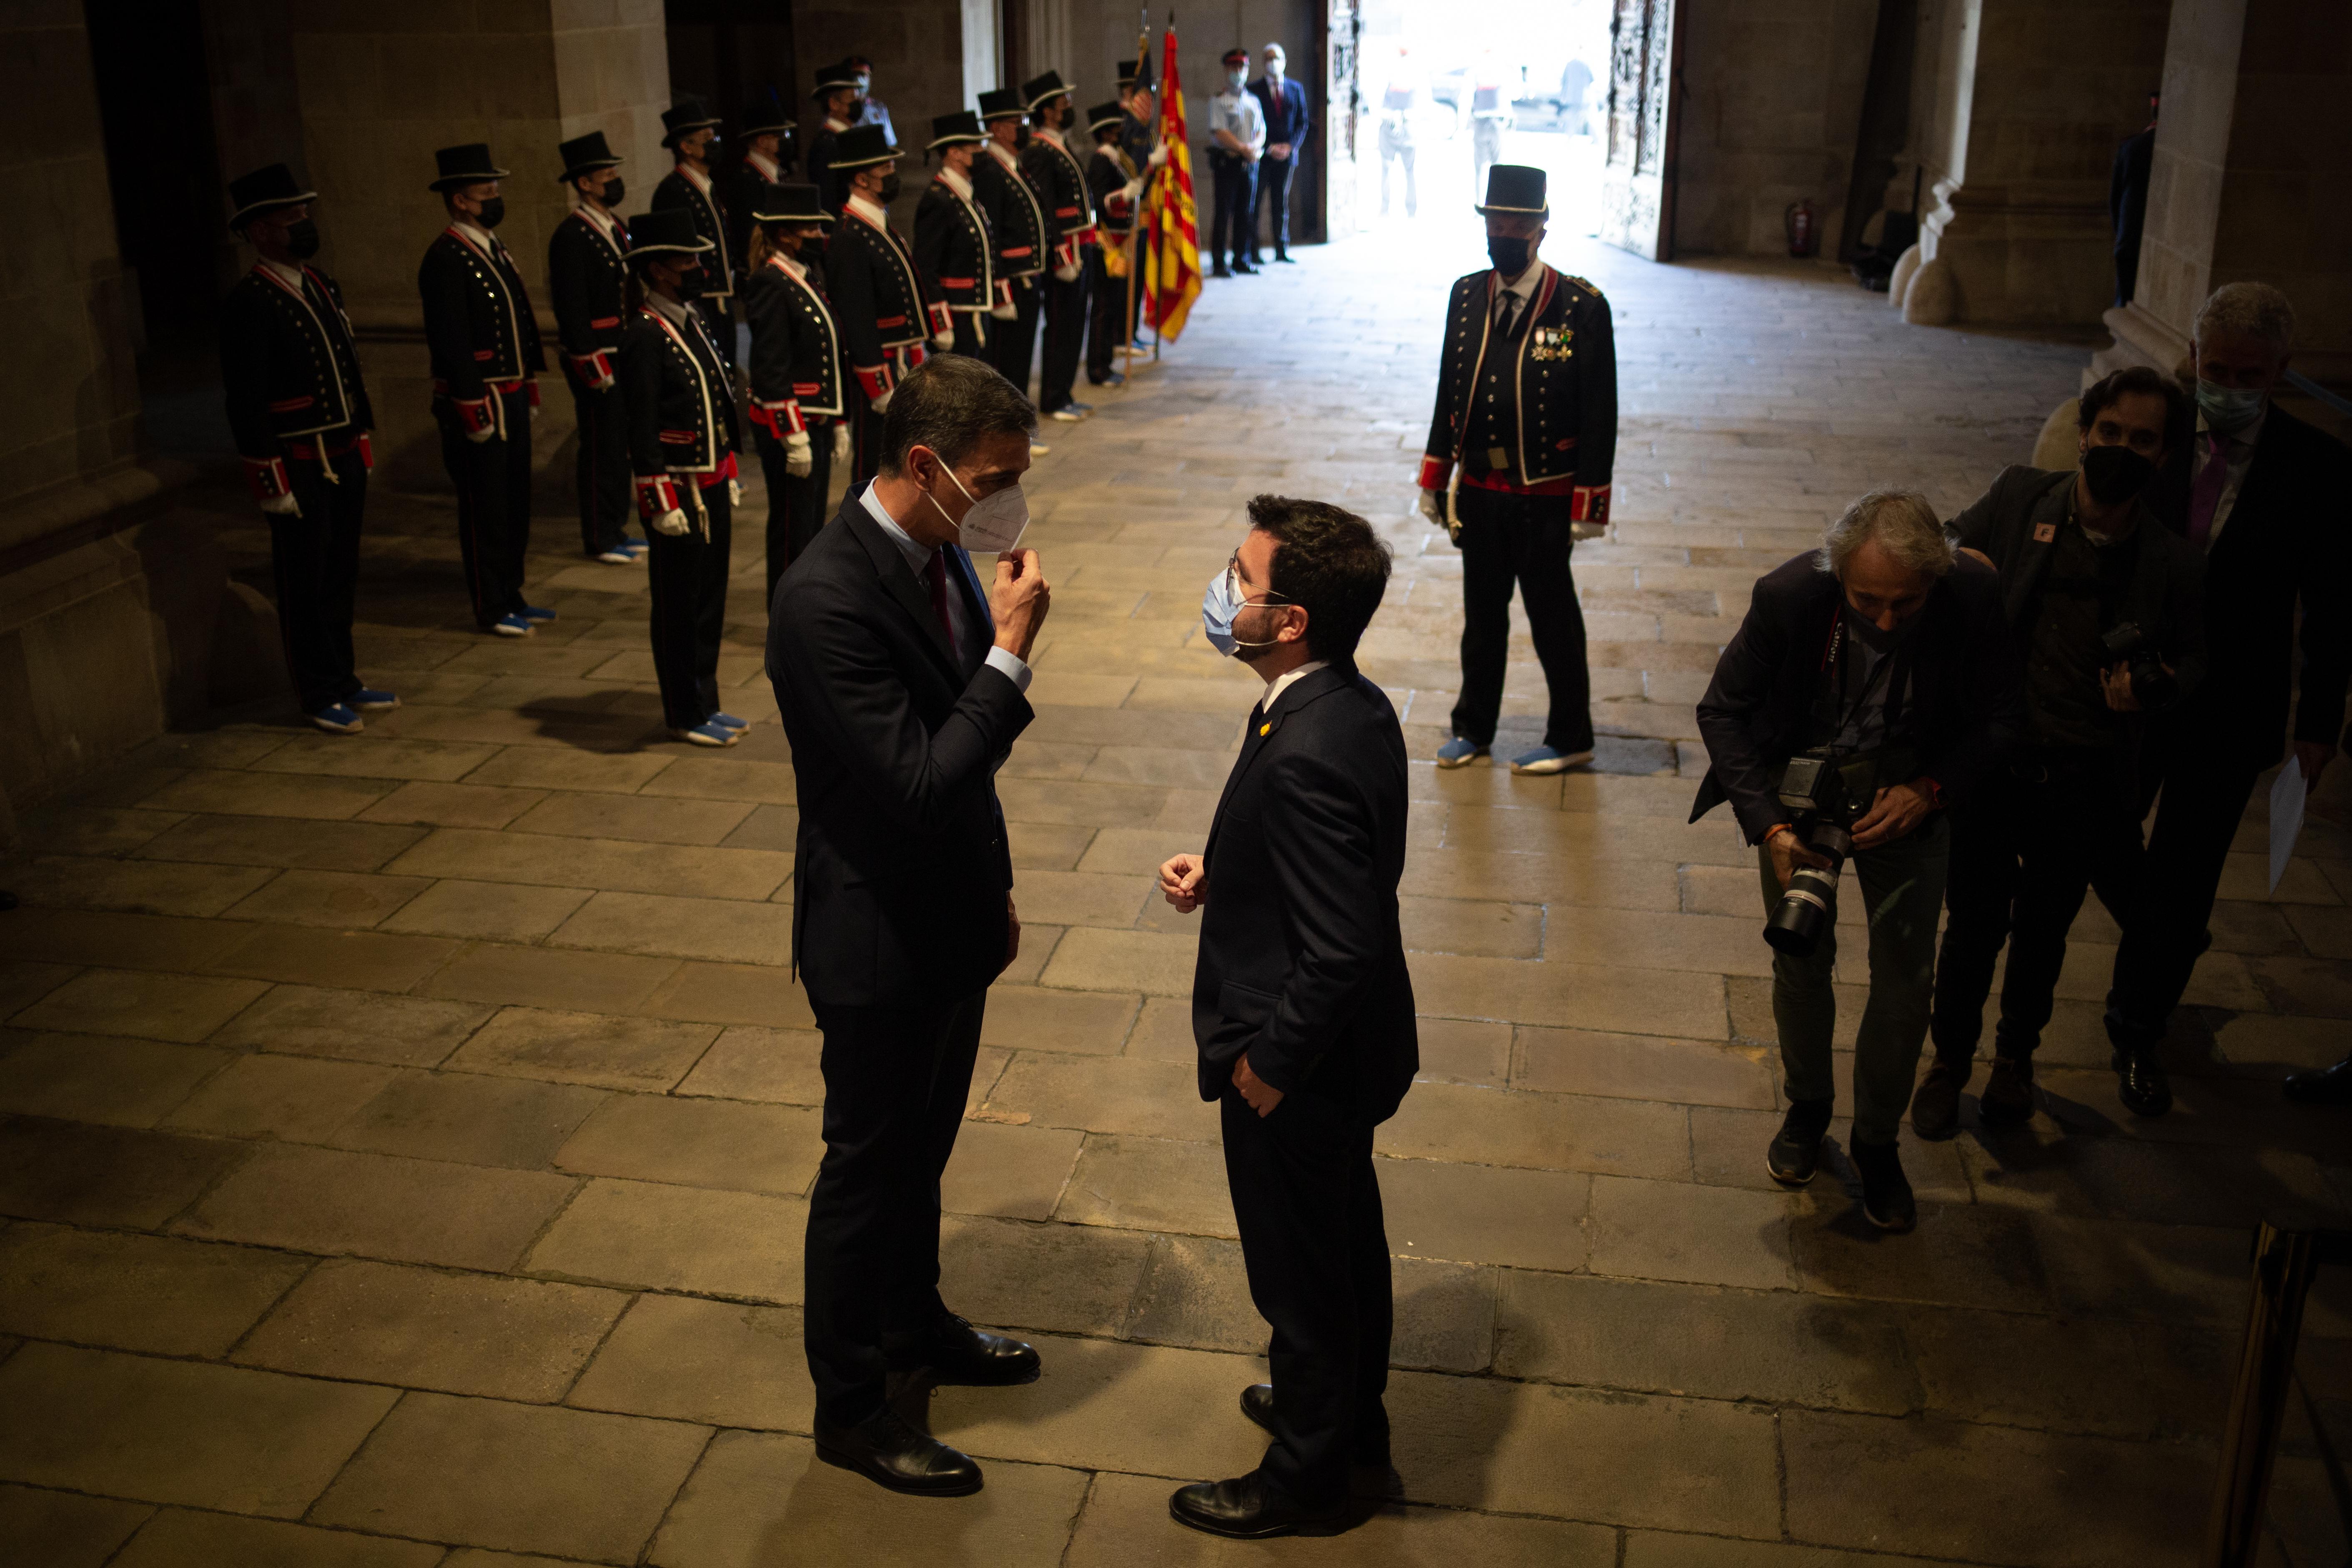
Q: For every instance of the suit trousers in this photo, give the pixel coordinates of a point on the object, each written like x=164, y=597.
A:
x=896, y=1079
x=1509, y=540
x=795, y=507
x=1013, y=343
x=1236, y=197
x=2025, y=847
x=493, y=482
x=687, y=574
x=1274, y=191
x=1308, y=1205
x=601, y=467
x=1066, y=336
x=315, y=561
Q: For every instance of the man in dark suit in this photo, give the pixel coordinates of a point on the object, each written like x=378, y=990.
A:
x=2263, y=496
x=1302, y=1005
x=899, y=679
x=1283, y=103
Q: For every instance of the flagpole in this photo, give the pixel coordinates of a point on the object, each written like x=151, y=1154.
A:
x=1135, y=223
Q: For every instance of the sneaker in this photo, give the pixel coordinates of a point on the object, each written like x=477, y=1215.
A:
x=1038, y=449
x=1113, y=379
x=1069, y=413
x=1935, y=1105
x=636, y=548
x=619, y=556
x=707, y=734
x=728, y=722
x=1795, y=1152
x=338, y=719
x=1080, y=408
x=510, y=626
x=1545, y=760
x=1221, y=271
x=1458, y=752
x=536, y=615
x=2008, y=1097
x=1887, y=1200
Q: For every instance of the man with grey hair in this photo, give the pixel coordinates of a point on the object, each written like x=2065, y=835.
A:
x=1884, y=660
x=2263, y=496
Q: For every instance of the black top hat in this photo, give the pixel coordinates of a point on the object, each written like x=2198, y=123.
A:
x=1136, y=70
x=668, y=231
x=788, y=203
x=1044, y=90
x=584, y=155
x=263, y=189
x=863, y=146
x=766, y=113
x=954, y=129
x=1002, y=104
x=834, y=77
x=686, y=116
x=1516, y=188
x=467, y=165
x=1103, y=116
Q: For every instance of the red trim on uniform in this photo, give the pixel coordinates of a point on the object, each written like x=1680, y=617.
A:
x=808, y=388
x=1434, y=472
x=289, y=405
x=883, y=323
x=600, y=323
x=958, y=282
x=1010, y=251
x=595, y=368
x=1592, y=504
x=941, y=322
x=267, y=478
x=1501, y=484
x=475, y=413
x=719, y=474
x=873, y=380
x=530, y=389
x=367, y=451
x=657, y=494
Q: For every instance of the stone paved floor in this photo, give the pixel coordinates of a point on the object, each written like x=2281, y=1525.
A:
x=407, y=1135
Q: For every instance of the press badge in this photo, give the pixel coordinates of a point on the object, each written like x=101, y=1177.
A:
x=2044, y=532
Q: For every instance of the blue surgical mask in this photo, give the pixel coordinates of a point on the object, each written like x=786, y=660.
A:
x=1219, y=606
x=2227, y=408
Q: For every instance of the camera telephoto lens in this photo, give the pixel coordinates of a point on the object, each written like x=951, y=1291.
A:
x=1804, y=911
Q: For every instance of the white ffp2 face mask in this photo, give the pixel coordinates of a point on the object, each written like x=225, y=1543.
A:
x=995, y=522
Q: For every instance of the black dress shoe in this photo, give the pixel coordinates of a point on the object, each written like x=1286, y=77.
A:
x=890, y=1452
x=2140, y=1080
x=1291, y=260
x=1887, y=1200
x=956, y=1353
x=1795, y=1148
x=2008, y=1097
x=1935, y=1105
x=1257, y=1404
x=2323, y=1086
x=1243, y=270
x=1248, y=1509
x=1370, y=1474
x=1221, y=271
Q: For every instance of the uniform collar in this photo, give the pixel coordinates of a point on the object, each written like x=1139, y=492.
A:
x=834, y=125
x=868, y=209
x=1002, y=153
x=954, y=182
x=292, y=277
x=479, y=238
x=787, y=266
x=694, y=177
x=1052, y=138
x=1530, y=281
x=769, y=168
x=674, y=311
x=604, y=222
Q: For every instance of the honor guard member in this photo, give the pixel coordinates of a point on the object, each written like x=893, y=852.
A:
x=484, y=344
x=299, y=414
x=1139, y=132
x=795, y=403
x=766, y=134
x=1518, y=468
x=691, y=133
x=836, y=96
x=879, y=301
x=1060, y=180
x=588, y=280
x=1015, y=212
x=679, y=392
x=953, y=248
x=1114, y=186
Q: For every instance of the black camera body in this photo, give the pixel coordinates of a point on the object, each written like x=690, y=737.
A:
x=2154, y=685
x=1826, y=795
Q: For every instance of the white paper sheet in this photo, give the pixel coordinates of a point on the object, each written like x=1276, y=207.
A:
x=2286, y=816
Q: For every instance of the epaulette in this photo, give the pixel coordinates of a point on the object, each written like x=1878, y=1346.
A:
x=1583, y=283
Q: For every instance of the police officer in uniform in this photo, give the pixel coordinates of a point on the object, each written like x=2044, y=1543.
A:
x=1060, y=180
x=795, y=403
x=1518, y=468
x=1016, y=210
x=1115, y=185
x=766, y=134
x=679, y=391
x=691, y=133
x=300, y=418
x=879, y=302
x=953, y=248
x=836, y=94
x=587, y=278
x=484, y=344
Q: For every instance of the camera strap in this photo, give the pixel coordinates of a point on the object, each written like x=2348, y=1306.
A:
x=1833, y=709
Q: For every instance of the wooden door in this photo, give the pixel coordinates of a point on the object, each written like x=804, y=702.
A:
x=1637, y=187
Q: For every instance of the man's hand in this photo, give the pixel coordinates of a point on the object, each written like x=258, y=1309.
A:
x=1018, y=600
x=1263, y=1097
x=1896, y=811
x=2116, y=686
x=1012, y=931
x=282, y=506
x=2314, y=755
x=1184, y=883
x=1279, y=152
x=1429, y=507
x=841, y=442
x=800, y=454
x=1788, y=855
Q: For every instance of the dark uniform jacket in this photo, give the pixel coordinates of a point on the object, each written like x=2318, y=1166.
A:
x=1535, y=413
x=795, y=347
x=289, y=372
x=1135, y=138
x=1061, y=186
x=1302, y=957
x=478, y=326
x=1109, y=172
x=1015, y=214
x=830, y=193
x=879, y=302
x=586, y=276
x=678, y=189
x=739, y=193
x=680, y=398
x=952, y=246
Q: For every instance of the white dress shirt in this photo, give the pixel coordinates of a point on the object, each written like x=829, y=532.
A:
x=1235, y=111
x=1512, y=300
x=2239, y=449
x=918, y=557
x=1283, y=682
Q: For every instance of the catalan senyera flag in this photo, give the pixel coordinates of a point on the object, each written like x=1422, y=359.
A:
x=1172, y=274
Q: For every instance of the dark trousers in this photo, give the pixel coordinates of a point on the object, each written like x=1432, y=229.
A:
x=1274, y=190
x=1109, y=307
x=1066, y=336
x=974, y=332
x=1308, y=1208
x=602, y=465
x=315, y=559
x=895, y=1083
x=1236, y=207
x=686, y=574
x=493, y=481
x=1013, y=343
x=795, y=507
x=2025, y=848
x=1524, y=541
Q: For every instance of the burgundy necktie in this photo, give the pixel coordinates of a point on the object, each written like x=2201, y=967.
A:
x=2205, y=495
x=935, y=578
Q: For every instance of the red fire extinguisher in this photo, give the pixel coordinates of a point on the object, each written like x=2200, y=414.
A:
x=1799, y=221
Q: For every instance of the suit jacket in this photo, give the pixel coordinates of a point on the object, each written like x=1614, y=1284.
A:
x=2288, y=538
x=902, y=870
x=1302, y=960
x=1286, y=114
x=1969, y=699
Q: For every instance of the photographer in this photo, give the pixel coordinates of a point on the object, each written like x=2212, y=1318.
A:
x=2105, y=610
x=1886, y=659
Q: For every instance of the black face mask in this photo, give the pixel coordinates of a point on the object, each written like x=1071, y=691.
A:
x=691, y=283
x=890, y=188
x=613, y=192
x=493, y=213
x=1509, y=255
x=302, y=239
x=2115, y=474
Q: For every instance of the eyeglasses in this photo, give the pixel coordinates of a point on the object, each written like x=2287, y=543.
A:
x=1233, y=587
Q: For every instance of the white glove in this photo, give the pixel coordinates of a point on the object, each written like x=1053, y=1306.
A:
x=672, y=522
x=282, y=506
x=841, y=443
x=1588, y=530
x=1158, y=156
x=734, y=493
x=1067, y=274
x=800, y=455
x=882, y=403
x=942, y=341
x=479, y=437
x=1005, y=312
x=1431, y=507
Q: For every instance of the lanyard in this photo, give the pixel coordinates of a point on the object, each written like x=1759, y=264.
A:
x=1847, y=715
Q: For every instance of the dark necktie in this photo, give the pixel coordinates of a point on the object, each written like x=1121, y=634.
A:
x=2205, y=495
x=935, y=578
